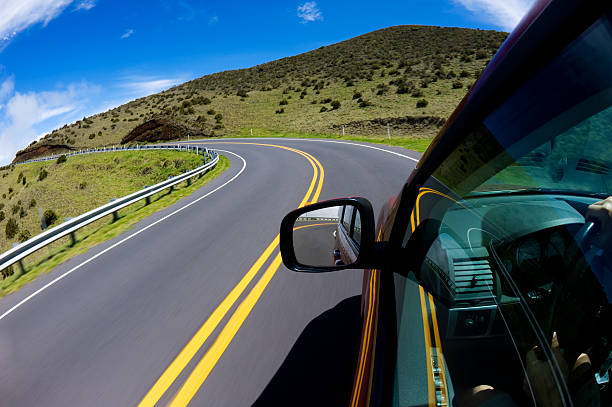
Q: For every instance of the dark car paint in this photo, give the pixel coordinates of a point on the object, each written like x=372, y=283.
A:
x=548, y=27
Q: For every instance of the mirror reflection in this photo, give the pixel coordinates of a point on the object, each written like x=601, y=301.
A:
x=328, y=237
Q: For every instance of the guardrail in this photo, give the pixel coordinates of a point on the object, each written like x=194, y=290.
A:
x=179, y=147
x=17, y=253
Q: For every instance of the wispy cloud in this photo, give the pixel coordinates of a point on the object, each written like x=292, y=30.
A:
x=127, y=34
x=85, y=5
x=213, y=20
x=18, y=15
x=309, y=12
x=503, y=13
x=26, y=116
x=138, y=86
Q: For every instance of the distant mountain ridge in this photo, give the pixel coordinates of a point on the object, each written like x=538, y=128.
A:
x=412, y=76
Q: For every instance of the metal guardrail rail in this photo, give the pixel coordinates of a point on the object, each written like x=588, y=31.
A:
x=17, y=253
x=179, y=147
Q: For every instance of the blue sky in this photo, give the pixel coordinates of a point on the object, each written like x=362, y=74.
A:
x=61, y=60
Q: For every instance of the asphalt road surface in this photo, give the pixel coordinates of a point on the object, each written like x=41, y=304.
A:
x=192, y=305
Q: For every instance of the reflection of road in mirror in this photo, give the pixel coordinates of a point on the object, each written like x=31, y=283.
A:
x=319, y=368
x=314, y=242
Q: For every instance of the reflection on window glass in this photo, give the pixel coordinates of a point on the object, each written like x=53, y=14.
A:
x=346, y=219
x=357, y=228
x=509, y=294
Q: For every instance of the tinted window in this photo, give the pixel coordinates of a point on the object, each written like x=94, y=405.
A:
x=509, y=295
x=357, y=229
x=346, y=219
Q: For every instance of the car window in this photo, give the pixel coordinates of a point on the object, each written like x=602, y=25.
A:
x=510, y=296
x=357, y=229
x=346, y=218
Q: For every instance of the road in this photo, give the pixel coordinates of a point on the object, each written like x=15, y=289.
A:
x=191, y=305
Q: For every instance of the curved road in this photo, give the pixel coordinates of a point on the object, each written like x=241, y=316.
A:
x=191, y=306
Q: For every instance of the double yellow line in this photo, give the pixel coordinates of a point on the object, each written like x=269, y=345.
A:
x=199, y=374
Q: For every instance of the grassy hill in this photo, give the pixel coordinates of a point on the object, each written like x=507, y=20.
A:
x=75, y=186
x=409, y=76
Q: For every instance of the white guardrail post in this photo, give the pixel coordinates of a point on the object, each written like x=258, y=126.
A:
x=20, y=251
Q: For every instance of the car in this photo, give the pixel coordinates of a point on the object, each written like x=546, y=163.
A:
x=486, y=279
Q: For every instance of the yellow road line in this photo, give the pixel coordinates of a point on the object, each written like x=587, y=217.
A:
x=439, y=353
x=431, y=396
x=315, y=224
x=196, y=342
x=206, y=364
x=364, y=346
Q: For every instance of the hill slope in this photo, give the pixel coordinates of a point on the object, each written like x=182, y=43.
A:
x=409, y=76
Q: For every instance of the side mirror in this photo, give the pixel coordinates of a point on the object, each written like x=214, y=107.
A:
x=329, y=236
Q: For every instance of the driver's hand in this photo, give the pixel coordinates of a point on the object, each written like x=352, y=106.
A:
x=601, y=213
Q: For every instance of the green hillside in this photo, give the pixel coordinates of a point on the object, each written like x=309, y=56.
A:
x=411, y=77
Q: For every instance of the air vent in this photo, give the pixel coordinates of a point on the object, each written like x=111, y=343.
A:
x=593, y=166
x=472, y=274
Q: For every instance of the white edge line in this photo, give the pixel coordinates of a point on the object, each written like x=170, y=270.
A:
x=43, y=288
x=309, y=139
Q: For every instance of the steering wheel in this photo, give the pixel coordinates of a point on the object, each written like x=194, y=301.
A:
x=585, y=235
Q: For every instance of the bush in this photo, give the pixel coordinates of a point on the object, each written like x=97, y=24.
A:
x=11, y=228
x=23, y=181
x=457, y=85
x=22, y=212
x=218, y=117
x=2, y=216
x=280, y=111
x=24, y=235
x=83, y=185
x=7, y=272
x=335, y=105
x=32, y=203
x=464, y=74
x=417, y=94
x=328, y=100
x=422, y=103
x=50, y=217
x=402, y=88
x=20, y=177
x=211, y=111
x=356, y=95
x=323, y=109
x=15, y=208
x=283, y=102
x=93, y=136
x=364, y=103
x=61, y=159
x=242, y=93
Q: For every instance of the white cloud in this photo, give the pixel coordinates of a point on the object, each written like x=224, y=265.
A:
x=127, y=34
x=18, y=15
x=85, y=5
x=213, y=20
x=309, y=12
x=505, y=14
x=139, y=86
x=26, y=116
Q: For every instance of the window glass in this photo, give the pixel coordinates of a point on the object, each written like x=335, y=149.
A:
x=357, y=228
x=346, y=219
x=510, y=295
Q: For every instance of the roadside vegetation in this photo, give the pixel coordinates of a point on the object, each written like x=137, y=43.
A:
x=410, y=77
x=74, y=186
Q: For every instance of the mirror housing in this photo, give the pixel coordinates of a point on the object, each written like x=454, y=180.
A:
x=367, y=246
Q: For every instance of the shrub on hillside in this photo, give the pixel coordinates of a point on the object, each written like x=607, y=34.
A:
x=242, y=93
x=422, y=103
x=32, y=203
x=61, y=159
x=283, y=102
x=280, y=111
x=2, y=216
x=50, y=217
x=211, y=111
x=364, y=103
x=11, y=228
x=335, y=105
x=356, y=95
x=457, y=85
x=323, y=109
x=24, y=235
